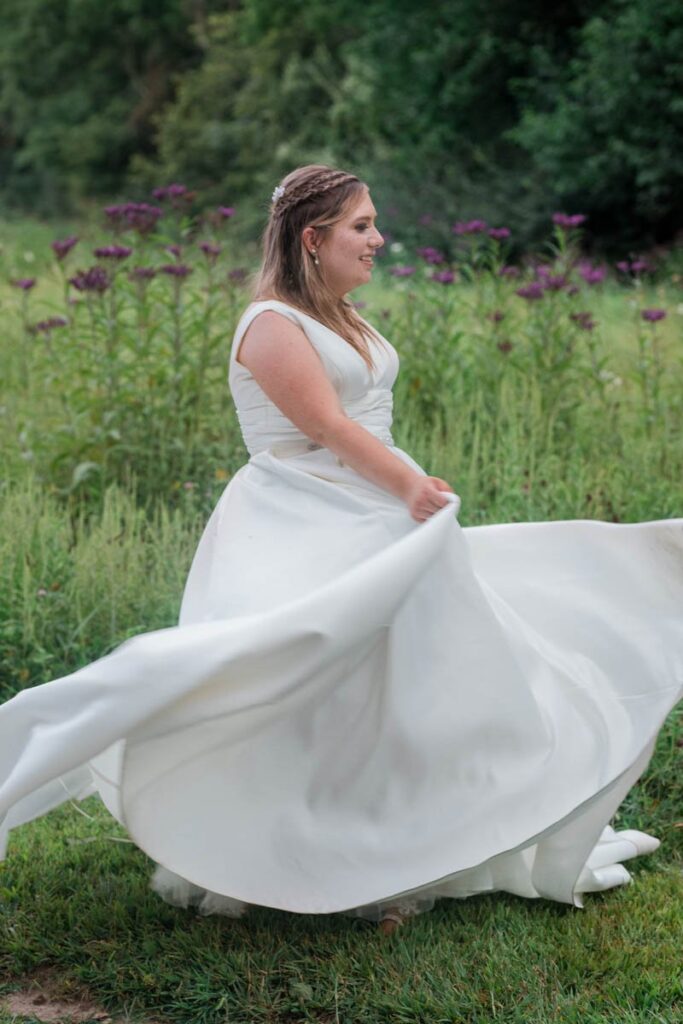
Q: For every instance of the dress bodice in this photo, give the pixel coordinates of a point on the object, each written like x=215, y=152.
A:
x=365, y=395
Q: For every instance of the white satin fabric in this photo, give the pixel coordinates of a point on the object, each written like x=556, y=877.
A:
x=357, y=711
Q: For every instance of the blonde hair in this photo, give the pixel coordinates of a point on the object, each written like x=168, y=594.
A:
x=311, y=196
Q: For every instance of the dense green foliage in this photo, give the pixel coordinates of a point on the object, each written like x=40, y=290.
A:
x=608, y=133
x=80, y=83
x=452, y=107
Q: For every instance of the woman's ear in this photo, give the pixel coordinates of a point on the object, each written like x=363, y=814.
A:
x=308, y=237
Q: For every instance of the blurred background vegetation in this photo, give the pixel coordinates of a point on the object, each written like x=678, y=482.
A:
x=505, y=109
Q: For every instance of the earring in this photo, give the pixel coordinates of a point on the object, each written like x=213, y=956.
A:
x=314, y=253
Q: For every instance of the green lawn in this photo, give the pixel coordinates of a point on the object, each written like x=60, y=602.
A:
x=77, y=900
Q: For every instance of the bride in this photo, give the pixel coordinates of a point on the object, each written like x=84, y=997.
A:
x=364, y=708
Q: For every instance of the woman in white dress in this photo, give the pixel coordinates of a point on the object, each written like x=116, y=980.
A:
x=364, y=707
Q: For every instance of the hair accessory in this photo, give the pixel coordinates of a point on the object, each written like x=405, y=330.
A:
x=278, y=191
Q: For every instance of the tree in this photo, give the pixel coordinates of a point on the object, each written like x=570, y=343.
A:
x=414, y=98
x=80, y=82
x=606, y=130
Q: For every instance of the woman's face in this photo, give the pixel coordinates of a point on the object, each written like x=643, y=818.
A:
x=346, y=249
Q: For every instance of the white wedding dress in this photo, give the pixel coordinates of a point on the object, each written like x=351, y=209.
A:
x=357, y=711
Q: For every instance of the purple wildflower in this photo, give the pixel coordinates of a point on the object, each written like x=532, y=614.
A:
x=226, y=212
x=175, y=250
x=179, y=270
x=583, y=320
x=497, y=316
x=25, y=283
x=635, y=267
x=173, y=191
x=425, y=219
x=533, y=290
x=211, y=250
x=142, y=273
x=573, y=289
x=499, y=233
x=592, y=274
x=238, y=275
x=443, y=276
x=63, y=246
x=555, y=282
x=95, y=279
x=653, y=315
x=402, y=271
x=140, y=217
x=505, y=346
x=508, y=272
x=113, y=252
x=469, y=227
x=431, y=255
x=568, y=221
x=45, y=326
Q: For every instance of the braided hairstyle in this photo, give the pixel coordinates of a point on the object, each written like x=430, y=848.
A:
x=306, y=183
x=318, y=196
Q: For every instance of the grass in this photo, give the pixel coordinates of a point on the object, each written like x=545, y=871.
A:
x=78, y=901
x=74, y=589
x=85, y=565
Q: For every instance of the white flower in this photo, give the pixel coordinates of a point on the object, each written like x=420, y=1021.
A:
x=278, y=191
x=610, y=379
x=396, y=247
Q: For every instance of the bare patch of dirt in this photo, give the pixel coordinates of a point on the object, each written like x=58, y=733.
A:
x=46, y=998
x=36, y=1004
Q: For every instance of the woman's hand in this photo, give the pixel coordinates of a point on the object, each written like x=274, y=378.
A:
x=426, y=497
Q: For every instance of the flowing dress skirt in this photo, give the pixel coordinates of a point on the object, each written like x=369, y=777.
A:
x=357, y=710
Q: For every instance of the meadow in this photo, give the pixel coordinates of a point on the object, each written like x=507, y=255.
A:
x=541, y=385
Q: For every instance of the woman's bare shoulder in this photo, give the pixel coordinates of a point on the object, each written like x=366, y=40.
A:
x=272, y=336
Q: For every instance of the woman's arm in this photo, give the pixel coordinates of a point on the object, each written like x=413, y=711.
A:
x=286, y=366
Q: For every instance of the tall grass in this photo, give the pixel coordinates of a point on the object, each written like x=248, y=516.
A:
x=122, y=378
x=72, y=589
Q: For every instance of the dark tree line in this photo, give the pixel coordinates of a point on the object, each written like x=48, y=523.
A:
x=506, y=109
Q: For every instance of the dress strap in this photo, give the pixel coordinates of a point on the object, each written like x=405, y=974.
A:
x=250, y=315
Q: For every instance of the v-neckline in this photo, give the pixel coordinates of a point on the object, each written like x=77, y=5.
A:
x=370, y=372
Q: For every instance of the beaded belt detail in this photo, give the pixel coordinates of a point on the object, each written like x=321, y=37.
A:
x=282, y=449
x=285, y=449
